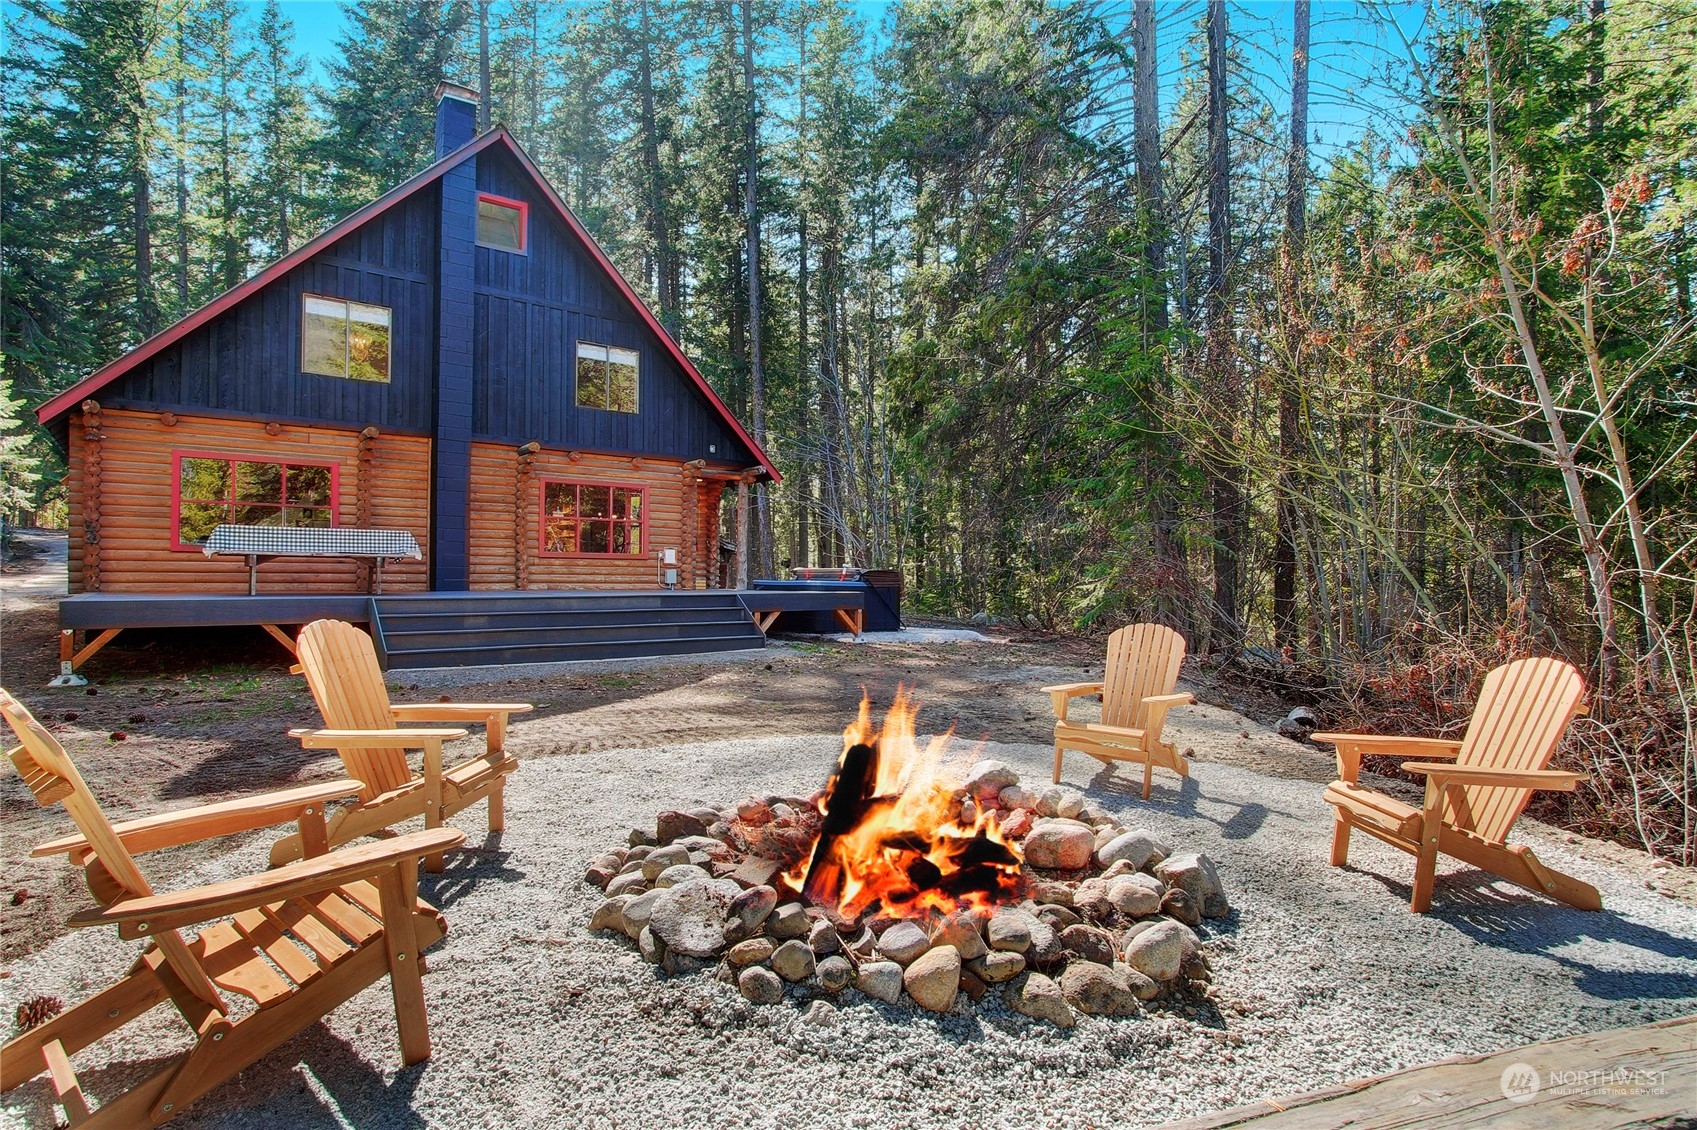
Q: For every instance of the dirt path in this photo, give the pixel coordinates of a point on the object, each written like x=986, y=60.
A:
x=203, y=716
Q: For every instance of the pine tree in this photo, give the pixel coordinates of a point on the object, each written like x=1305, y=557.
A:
x=281, y=210
x=221, y=174
x=381, y=106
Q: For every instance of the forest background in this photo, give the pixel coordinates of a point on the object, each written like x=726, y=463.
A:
x=1365, y=378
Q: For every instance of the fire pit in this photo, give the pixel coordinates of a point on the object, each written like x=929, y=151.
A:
x=913, y=872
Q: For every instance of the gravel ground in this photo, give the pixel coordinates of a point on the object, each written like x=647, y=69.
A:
x=1324, y=976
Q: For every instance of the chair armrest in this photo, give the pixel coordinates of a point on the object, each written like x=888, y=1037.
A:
x=1072, y=690
x=139, y=917
x=1440, y=774
x=1179, y=698
x=1350, y=748
x=1391, y=743
x=455, y=711
x=377, y=739
x=185, y=826
x=1115, y=731
x=1062, y=692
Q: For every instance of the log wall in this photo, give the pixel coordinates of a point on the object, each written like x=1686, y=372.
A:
x=121, y=515
x=506, y=501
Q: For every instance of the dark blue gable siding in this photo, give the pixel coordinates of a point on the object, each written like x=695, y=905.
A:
x=532, y=309
x=247, y=360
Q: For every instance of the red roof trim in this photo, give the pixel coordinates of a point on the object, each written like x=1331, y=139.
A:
x=116, y=368
x=666, y=339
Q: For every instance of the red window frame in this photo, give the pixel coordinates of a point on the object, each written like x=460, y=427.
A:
x=610, y=555
x=177, y=457
x=524, y=223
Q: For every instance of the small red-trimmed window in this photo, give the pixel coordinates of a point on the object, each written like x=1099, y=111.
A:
x=214, y=490
x=501, y=223
x=592, y=518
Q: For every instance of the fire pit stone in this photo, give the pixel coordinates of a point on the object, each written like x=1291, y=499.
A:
x=899, y=876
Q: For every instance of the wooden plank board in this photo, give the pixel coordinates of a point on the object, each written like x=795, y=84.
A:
x=1643, y=1076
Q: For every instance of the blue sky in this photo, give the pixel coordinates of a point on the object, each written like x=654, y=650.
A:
x=1350, y=44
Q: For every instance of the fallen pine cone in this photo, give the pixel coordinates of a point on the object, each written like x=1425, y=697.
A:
x=116, y=736
x=137, y=719
x=20, y=896
x=37, y=1011
x=70, y=716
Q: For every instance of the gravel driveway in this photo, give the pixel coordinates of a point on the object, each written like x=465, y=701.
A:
x=1324, y=976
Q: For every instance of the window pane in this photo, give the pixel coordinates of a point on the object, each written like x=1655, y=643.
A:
x=636, y=506
x=621, y=380
x=621, y=502
x=621, y=537
x=368, y=342
x=324, y=336
x=500, y=226
x=197, y=520
x=257, y=515
x=306, y=516
x=591, y=381
x=205, y=478
x=594, y=501
x=636, y=539
x=593, y=538
x=559, y=536
x=259, y=482
x=559, y=499
x=308, y=486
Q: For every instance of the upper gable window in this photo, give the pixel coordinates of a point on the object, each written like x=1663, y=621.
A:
x=344, y=339
x=606, y=377
x=502, y=223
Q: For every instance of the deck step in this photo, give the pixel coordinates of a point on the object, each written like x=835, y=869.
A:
x=497, y=628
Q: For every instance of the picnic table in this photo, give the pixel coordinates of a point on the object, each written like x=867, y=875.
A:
x=266, y=543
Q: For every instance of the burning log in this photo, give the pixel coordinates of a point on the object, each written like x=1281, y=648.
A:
x=891, y=842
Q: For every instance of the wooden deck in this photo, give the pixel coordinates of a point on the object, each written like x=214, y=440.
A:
x=467, y=629
x=1625, y=1077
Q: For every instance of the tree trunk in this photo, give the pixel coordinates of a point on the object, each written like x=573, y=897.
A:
x=761, y=549
x=1285, y=631
x=1225, y=494
x=1146, y=127
x=659, y=227
x=483, y=66
x=181, y=95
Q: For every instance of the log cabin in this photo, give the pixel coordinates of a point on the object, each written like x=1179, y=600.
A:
x=457, y=360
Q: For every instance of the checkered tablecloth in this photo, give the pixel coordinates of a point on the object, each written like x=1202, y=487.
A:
x=312, y=541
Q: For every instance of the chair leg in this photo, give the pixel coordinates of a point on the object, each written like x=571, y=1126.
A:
x=498, y=806
x=1340, y=840
x=1057, y=763
x=433, y=819
x=1425, y=873
x=1148, y=776
x=404, y=971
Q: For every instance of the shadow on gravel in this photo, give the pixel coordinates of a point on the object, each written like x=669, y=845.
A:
x=466, y=868
x=1606, y=953
x=1186, y=800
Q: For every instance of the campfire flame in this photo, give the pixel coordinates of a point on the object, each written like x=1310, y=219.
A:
x=892, y=842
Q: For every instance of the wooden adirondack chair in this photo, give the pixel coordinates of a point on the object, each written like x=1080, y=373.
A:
x=1523, y=710
x=297, y=941
x=1137, y=691
x=341, y=667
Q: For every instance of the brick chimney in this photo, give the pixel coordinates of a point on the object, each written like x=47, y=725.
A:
x=456, y=117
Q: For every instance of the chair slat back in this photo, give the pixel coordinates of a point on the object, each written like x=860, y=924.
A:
x=1143, y=660
x=341, y=667
x=112, y=873
x=1524, y=708
x=45, y=766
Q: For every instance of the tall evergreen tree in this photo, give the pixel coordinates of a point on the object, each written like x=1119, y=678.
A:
x=281, y=195
x=380, y=106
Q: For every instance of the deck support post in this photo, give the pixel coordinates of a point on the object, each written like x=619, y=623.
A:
x=67, y=676
x=70, y=658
